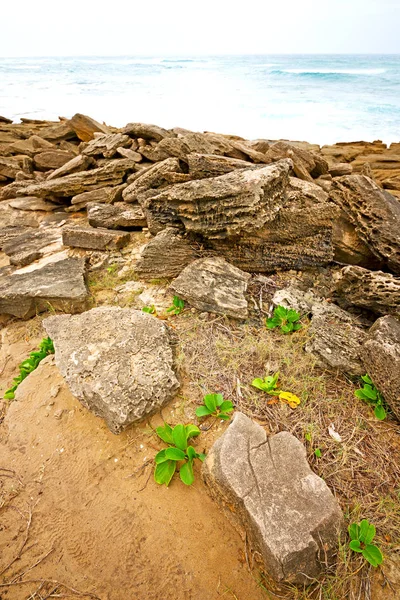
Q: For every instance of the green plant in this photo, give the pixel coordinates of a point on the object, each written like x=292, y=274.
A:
x=371, y=395
x=177, y=306
x=178, y=452
x=215, y=405
x=285, y=318
x=361, y=536
x=151, y=310
x=268, y=384
x=46, y=347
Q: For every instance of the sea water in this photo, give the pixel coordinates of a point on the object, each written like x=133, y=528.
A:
x=319, y=98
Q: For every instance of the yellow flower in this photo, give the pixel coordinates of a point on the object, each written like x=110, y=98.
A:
x=290, y=399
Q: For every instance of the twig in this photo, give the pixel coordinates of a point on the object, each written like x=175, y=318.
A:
x=33, y=566
x=56, y=583
x=29, y=522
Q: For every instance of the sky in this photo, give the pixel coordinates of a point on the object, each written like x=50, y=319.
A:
x=174, y=27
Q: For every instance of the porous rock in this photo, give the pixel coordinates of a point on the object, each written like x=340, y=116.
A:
x=118, y=362
x=94, y=238
x=381, y=358
x=213, y=285
x=151, y=178
x=202, y=166
x=106, y=144
x=120, y=215
x=166, y=255
x=374, y=290
x=106, y=195
x=267, y=488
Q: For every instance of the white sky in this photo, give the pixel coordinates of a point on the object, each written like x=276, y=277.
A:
x=174, y=27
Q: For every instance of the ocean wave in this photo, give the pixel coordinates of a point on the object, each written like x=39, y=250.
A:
x=332, y=71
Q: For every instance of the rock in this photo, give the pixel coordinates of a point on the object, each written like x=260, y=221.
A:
x=381, y=358
x=57, y=282
x=219, y=207
x=267, y=488
x=131, y=154
x=374, y=290
x=94, y=238
x=340, y=169
x=202, y=166
x=118, y=362
x=151, y=178
x=52, y=159
x=167, y=148
x=34, y=145
x=335, y=339
x=75, y=165
x=349, y=247
x=115, y=216
x=213, y=285
x=110, y=174
x=306, y=165
x=106, y=195
x=5, y=120
x=292, y=297
x=166, y=255
x=32, y=245
x=85, y=127
x=12, y=217
x=33, y=203
x=9, y=167
x=106, y=145
x=59, y=132
x=147, y=132
x=374, y=213
x=9, y=233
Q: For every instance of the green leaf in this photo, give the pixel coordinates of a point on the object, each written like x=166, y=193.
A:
x=370, y=392
x=175, y=454
x=273, y=322
x=360, y=394
x=224, y=416
x=287, y=328
x=355, y=545
x=164, y=471
x=367, y=531
x=165, y=433
x=354, y=531
x=191, y=431
x=9, y=395
x=297, y=326
x=317, y=453
x=292, y=316
x=203, y=411
x=367, y=379
x=219, y=399
x=201, y=456
x=180, y=437
x=160, y=457
x=380, y=412
x=211, y=402
x=275, y=379
x=259, y=384
x=373, y=555
x=281, y=312
x=226, y=406
x=178, y=302
x=191, y=452
x=186, y=473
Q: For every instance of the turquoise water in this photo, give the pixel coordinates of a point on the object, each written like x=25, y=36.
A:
x=318, y=98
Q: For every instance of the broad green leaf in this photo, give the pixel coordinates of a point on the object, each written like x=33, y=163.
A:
x=259, y=384
x=275, y=379
x=224, y=416
x=354, y=531
x=180, y=437
x=297, y=326
x=9, y=395
x=281, y=312
x=373, y=555
x=191, y=452
x=366, y=378
x=178, y=302
x=317, y=453
x=287, y=328
x=360, y=394
x=192, y=431
x=226, y=406
x=273, y=322
x=380, y=412
x=355, y=545
x=175, y=454
x=201, y=456
x=292, y=316
x=164, y=471
x=186, y=473
x=203, y=411
x=165, y=433
x=210, y=400
x=220, y=399
x=367, y=531
x=160, y=457
x=370, y=392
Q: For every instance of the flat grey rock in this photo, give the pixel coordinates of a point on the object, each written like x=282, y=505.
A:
x=33, y=203
x=118, y=362
x=32, y=245
x=213, y=285
x=94, y=238
x=120, y=215
x=267, y=488
x=166, y=255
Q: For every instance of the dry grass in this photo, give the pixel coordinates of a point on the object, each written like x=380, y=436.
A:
x=363, y=470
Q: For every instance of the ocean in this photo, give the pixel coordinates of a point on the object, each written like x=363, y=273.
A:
x=318, y=98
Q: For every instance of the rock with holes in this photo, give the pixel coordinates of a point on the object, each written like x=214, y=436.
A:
x=267, y=489
x=118, y=362
x=381, y=358
x=166, y=255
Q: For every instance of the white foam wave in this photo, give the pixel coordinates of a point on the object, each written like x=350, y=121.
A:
x=335, y=71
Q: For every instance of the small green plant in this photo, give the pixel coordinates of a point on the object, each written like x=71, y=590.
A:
x=317, y=452
x=285, y=318
x=371, y=395
x=216, y=406
x=178, y=452
x=177, y=306
x=151, y=310
x=268, y=384
x=46, y=347
x=361, y=536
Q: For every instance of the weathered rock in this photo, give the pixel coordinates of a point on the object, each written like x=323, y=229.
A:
x=267, y=488
x=94, y=238
x=5, y=120
x=34, y=145
x=336, y=339
x=9, y=233
x=167, y=148
x=106, y=195
x=219, y=207
x=151, y=178
x=213, y=285
x=349, y=247
x=60, y=131
x=12, y=217
x=166, y=255
x=116, y=216
x=118, y=362
x=52, y=159
x=106, y=145
x=211, y=165
x=32, y=245
x=374, y=213
x=33, y=203
x=85, y=127
x=75, y=165
x=340, y=169
x=9, y=167
x=381, y=358
x=110, y=174
x=306, y=165
x=147, y=132
x=374, y=290
x=131, y=154
x=292, y=297
x=59, y=284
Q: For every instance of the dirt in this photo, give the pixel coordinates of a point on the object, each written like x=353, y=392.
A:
x=108, y=527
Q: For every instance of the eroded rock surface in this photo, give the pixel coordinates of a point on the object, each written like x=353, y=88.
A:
x=289, y=514
x=120, y=215
x=118, y=362
x=374, y=290
x=166, y=255
x=94, y=238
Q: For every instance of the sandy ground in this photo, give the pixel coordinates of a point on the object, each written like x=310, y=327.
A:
x=108, y=527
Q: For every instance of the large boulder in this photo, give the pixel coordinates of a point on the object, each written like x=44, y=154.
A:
x=32, y=245
x=375, y=214
x=266, y=486
x=219, y=207
x=213, y=285
x=118, y=362
x=166, y=255
x=52, y=159
x=381, y=358
x=374, y=290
